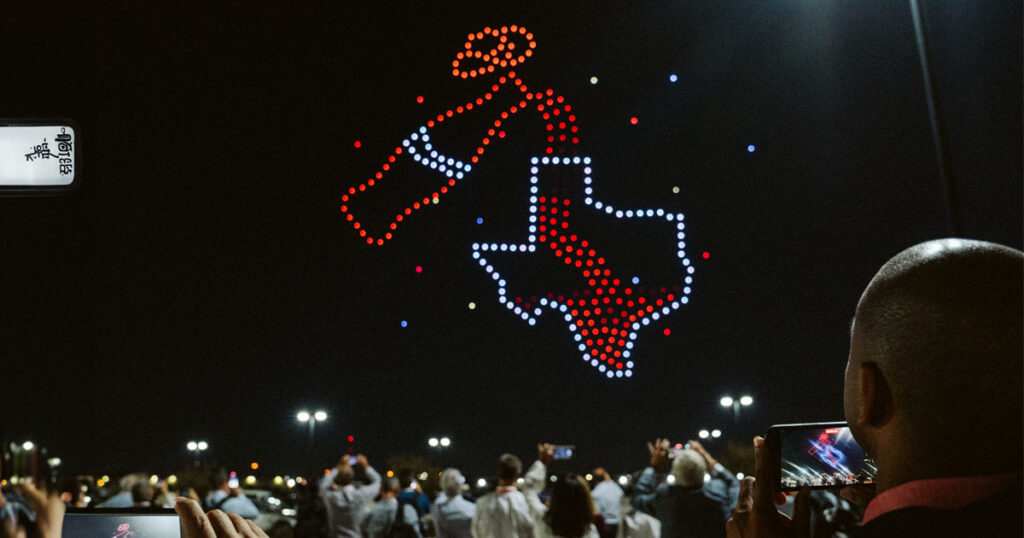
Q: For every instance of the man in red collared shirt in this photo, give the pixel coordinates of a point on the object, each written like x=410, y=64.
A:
x=933, y=391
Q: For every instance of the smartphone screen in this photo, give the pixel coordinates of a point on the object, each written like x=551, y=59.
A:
x=563, y=452
x=821, y=455
x=121, y=524
x=352, y=460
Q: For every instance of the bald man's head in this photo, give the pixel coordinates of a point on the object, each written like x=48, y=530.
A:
x=942, y=322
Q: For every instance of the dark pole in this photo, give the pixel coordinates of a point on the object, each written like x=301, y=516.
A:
x=946, y=175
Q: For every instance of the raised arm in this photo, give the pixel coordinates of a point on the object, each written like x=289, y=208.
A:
x=373, y=488
x=724, y=487
x=533, y=481
x=645, y=490
x=327, y=480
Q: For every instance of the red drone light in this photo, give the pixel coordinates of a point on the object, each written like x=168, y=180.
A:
x=507, y=47
x=606, y=313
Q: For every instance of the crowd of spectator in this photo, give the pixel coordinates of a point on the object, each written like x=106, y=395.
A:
x=939, y=323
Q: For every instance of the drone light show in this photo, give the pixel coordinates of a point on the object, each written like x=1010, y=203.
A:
x=604, y=309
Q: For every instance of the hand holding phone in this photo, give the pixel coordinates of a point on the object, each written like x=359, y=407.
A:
x=49, y=511
x=196, y=524
x=756, y=508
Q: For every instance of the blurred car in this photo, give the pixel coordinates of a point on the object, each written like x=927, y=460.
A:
x=277, y=515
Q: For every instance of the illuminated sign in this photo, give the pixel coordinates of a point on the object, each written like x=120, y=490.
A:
x=605, y=314
x=37, y=156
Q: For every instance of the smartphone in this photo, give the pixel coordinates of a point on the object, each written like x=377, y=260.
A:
x=818, y=455
x=564, y=452
x=352, y=460
x=122, y=523
x=233, y=480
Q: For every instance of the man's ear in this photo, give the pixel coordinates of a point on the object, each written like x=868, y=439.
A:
x=876, y=405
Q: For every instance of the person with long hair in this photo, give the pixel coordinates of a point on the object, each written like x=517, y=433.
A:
x=570, y=510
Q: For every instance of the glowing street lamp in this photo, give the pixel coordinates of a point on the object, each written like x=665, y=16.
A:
x=312, y=419
x=735, y=404
x=196, y=448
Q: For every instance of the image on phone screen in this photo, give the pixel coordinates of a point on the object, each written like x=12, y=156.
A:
x=121, y=525
x=821, y=457
x=563, y=452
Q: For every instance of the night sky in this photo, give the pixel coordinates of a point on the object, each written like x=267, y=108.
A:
x=202, y=282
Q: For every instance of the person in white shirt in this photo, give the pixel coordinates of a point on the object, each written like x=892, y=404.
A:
x=453, y=515
x=504, y=513
x=345, y=502
x=380, y=521
x=634, y=523
x=607, y=495
x=123, y=498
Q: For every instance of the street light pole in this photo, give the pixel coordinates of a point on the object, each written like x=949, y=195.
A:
x=728, y=401
x=312, y=419
x=197, y=448
x=440, y=443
